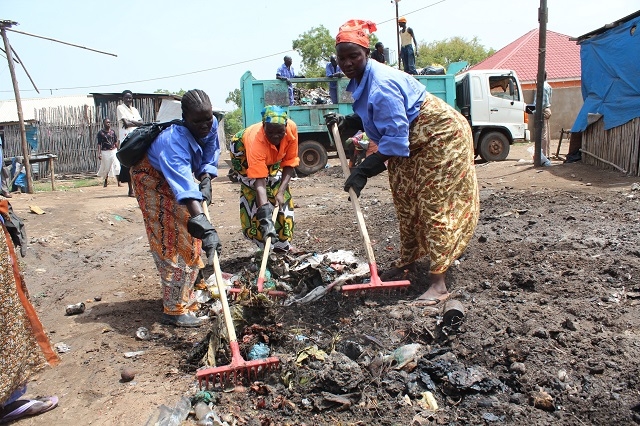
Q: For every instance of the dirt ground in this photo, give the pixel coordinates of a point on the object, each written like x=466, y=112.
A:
x=550, y=285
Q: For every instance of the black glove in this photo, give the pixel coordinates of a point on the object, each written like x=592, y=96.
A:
x=205, y=188
x=348, y=125
x=266, y=224
x=200, y=227
x=371, y=166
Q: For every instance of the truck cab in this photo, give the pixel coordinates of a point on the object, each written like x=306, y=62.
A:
x=492, y=101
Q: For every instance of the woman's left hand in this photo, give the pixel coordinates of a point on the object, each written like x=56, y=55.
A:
x=280, y=197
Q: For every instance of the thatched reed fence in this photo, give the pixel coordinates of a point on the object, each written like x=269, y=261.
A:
x=617, y=148
x=70, y=133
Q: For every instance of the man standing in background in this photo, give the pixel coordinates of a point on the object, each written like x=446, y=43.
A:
x=128, y=119
x=333, y=71
x=407, y=40
x=4, y=190
x=546, y=113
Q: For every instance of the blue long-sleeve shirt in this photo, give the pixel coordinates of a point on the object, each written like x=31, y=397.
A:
x=177, y=155
x=387, y=100
x=330, y=70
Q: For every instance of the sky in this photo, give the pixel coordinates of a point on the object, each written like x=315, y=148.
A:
x=210, y=44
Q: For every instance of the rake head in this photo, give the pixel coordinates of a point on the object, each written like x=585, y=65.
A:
x=376, y=284
x=236, y=371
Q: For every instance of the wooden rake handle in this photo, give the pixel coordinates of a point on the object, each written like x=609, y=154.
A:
x=352, y=194
x=226, y=311
x=267, y=249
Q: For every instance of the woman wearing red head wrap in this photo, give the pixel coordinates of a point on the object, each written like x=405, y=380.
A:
x=429, y=150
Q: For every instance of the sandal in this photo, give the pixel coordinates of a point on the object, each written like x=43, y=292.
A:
x=27, y=407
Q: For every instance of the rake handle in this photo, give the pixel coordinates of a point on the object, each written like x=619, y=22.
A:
x=354, y=198
x=221, y=290
x=265, y=254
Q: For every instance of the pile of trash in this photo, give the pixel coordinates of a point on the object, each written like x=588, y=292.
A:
x=304, y=277
x=316, y=96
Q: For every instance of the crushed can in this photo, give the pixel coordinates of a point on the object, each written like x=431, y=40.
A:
x=76, y=309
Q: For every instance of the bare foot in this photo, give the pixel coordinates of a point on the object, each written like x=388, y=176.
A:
x=430, y=298
x=398, y=272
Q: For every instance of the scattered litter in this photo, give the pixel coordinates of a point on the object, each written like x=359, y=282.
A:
x=132, y=354
x=404, y=355
x=311, y=352
x=142, y=333
x=75, y=309
x=61, y=347
x=259, y=351
x=428, y=401
x=36, y=210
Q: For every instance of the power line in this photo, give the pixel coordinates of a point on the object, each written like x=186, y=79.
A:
x=413, y=11
x=208, y=69
x=160, y=78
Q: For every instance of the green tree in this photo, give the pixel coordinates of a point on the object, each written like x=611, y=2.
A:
x=233, y=123
x=180, y=92
x=315, y=47
x=454, y=49
x=235, y=96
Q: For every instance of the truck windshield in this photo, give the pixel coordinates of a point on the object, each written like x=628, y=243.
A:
x=504, y=87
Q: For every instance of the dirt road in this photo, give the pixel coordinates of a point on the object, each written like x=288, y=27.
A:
x=550, y=285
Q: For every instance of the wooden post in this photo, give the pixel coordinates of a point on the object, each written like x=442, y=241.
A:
x=53, y=180
x=398, y=34
x=16, y=90
x=539, y=116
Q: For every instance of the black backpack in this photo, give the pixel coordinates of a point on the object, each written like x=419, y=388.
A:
x=135, y=145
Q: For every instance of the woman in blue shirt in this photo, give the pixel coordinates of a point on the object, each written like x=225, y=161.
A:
x=428, y=148
x=171, y=203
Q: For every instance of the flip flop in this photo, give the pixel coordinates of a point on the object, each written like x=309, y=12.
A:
x=430, y=301
x=27, y=407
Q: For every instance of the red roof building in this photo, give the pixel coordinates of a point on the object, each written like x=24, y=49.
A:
x=562, y=60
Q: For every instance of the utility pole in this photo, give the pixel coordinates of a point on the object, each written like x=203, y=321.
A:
x=542, y=50
x=23, y=135
x=397, y=33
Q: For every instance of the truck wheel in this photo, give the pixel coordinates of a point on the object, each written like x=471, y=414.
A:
x=494, y=146
x=313, y=157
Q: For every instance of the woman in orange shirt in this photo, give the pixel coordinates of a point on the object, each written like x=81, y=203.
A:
x=264, y=155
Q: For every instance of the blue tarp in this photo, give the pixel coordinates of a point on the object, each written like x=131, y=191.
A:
x=611, y=76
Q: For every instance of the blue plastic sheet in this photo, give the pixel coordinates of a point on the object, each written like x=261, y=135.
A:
x=610, y=69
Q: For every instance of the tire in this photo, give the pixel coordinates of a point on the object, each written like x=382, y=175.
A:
x=313, y=157
x=494, y=146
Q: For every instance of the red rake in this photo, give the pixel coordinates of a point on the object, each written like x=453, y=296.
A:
x=238, y=367
x=376, y=283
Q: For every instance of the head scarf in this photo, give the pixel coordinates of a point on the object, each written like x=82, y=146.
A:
x=403, y=19
x=274, y=114
x=356, y=31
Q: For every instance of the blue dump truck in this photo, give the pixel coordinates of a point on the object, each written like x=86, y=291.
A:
x=491, y=100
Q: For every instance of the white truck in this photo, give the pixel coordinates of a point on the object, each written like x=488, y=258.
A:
x=492, y=101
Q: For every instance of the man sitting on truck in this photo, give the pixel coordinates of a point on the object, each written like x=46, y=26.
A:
x=264, y=156
x=285, y=72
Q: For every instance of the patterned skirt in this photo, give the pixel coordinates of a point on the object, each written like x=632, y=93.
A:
x=284, y=223
x=175, y=252
x=24, y=346
x=435, y=190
